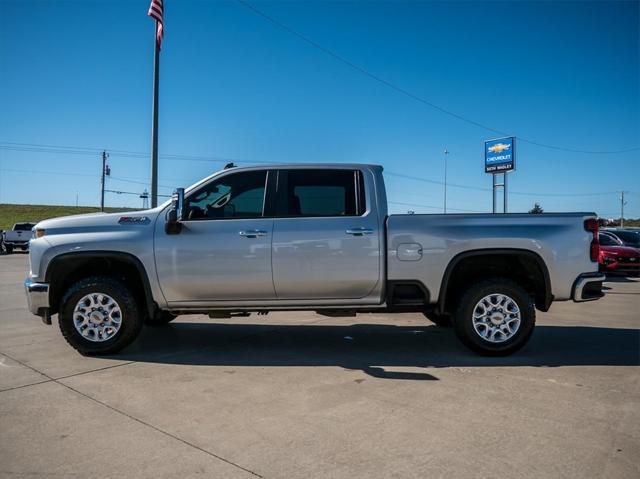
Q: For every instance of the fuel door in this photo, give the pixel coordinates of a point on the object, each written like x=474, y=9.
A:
x=410, y=252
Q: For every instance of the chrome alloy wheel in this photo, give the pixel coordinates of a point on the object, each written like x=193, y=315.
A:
x=97, y=317
x=496, y=318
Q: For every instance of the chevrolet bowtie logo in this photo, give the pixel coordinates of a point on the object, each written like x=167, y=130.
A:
x=499, y=148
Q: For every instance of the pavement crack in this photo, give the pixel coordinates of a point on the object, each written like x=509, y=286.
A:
x=24, y=386
x=52, y=379
x=133, y=418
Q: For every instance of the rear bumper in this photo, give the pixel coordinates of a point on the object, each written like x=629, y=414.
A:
x=38, y=299
x=588, y=287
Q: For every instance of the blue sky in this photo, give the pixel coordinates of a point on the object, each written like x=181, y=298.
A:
x=234, y=85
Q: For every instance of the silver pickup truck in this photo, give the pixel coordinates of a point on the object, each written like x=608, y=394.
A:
x=306, y=237
x=17, y=237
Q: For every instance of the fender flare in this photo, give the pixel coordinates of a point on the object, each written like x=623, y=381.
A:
x=62, y=258
x=548, y=296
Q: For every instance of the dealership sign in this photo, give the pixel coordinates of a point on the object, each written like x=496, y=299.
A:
x=500, y=155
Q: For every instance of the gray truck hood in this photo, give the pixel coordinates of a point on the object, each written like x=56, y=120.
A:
x=97, y=221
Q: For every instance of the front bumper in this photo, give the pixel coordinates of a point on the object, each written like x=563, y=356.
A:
x=621, y=267
x=38, y=299
x=588, y=287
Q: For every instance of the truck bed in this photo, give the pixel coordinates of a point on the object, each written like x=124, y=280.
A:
x=423, y=246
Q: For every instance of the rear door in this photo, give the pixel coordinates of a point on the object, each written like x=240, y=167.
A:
x=326, y=242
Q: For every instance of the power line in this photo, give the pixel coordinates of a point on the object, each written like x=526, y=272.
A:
x=410, y=94
x=46, y=172
x=60, y=173
x=435, y=182
x=118, y=192
x=433, y=207
x=478, y=188
x=145, y=183
x=37, y=148
x=93, y=151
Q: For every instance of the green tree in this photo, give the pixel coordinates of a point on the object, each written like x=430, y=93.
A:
x=537, y=209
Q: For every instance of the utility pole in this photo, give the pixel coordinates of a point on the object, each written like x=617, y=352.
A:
x=446, y=153
x=145, y=199
x=154, y=127
x=622, y=203
x=106, y=171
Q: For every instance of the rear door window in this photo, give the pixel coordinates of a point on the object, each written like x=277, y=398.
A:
x=321, y=193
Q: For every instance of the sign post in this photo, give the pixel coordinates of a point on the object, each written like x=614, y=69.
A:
x=500, y=158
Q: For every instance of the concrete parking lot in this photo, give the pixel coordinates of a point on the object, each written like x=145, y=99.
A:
x=296, y=395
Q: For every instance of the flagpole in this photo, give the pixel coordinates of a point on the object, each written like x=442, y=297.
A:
x=154, y=128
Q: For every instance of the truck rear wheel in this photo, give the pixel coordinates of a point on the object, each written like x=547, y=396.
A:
x=99, y=315
x=495, y=317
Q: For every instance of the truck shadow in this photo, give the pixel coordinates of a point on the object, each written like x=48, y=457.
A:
x=373, y=348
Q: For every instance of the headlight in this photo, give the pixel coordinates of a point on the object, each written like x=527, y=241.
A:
x=38, y=233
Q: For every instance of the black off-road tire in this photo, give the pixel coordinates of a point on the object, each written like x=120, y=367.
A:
x=463, y=318
x=443, y=320
x=131, y=324
x=8, y=248
x=160, y=319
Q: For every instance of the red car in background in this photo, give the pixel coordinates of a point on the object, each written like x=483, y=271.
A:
x=616, y=258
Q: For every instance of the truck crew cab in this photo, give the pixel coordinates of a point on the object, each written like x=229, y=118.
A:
x=306, y=237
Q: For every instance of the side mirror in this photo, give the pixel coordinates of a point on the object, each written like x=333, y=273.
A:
x=175, y=215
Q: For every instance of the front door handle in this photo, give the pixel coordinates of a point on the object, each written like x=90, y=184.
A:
x=359, y=231
x=252, y=233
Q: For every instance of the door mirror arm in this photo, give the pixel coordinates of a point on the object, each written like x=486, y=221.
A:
x=175, y=215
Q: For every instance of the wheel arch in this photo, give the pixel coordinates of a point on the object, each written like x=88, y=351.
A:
x=65, y=269
x=528, y=266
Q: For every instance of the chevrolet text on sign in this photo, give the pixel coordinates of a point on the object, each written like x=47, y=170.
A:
x=500, y=155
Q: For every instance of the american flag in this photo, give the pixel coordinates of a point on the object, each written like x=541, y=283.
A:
x=156, y=10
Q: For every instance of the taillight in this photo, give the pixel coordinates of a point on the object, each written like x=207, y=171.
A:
x=591, y=225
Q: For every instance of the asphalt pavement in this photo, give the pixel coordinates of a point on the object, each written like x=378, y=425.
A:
x=297, y=395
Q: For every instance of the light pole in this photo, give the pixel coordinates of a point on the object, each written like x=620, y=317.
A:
x=446, y=153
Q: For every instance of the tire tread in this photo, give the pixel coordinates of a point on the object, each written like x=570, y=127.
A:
x=528, y=314
x=127, y=303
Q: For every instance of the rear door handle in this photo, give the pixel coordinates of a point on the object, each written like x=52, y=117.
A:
x=252, y=233
x=359, y=231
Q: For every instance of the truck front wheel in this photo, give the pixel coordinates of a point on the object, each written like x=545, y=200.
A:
x=495, y=317
x=99, y=315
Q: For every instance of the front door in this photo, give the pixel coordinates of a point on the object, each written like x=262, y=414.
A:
x=326, y=242
x=224, y=249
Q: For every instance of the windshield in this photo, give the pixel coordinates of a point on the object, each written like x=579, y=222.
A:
x=629, y=237
x=608, y=240
x=22, y=227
